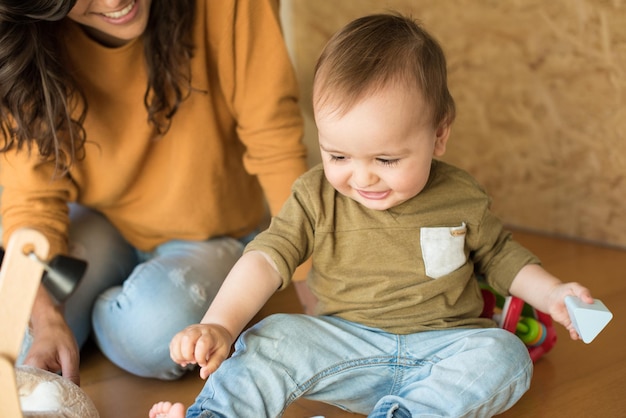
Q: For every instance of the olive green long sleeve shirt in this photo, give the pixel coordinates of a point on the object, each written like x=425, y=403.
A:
x=406, y=269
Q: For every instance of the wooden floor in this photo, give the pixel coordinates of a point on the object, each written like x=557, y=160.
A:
x=573, y=380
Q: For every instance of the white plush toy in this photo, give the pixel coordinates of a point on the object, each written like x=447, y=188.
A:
x=46, y=395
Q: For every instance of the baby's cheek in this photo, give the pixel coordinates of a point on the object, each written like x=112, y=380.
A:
x=337, y=179
x=407, y=185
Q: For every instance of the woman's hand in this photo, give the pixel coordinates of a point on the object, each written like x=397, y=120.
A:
x=54, y=347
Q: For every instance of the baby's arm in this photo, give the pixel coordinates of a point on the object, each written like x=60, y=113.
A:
x=546, y=293
x=250, y=283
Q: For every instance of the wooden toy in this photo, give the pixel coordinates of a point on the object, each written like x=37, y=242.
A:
x=48, y=395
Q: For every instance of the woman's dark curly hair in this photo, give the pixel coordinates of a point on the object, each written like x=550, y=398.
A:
x=39, y=96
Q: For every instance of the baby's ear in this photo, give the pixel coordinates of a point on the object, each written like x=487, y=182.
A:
x=441, y=138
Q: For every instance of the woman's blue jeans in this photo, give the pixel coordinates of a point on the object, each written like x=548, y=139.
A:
x=447, y=373
x=134, y=302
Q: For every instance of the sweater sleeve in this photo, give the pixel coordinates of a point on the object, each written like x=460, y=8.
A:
x=33, y=196
x=263, y=94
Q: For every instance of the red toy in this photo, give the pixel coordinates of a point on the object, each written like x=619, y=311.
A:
x=533, y=327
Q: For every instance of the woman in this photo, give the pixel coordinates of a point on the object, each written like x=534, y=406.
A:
x=143, y=137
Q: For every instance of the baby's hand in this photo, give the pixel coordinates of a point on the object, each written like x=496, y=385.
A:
x=206, y=345
x=557, y=308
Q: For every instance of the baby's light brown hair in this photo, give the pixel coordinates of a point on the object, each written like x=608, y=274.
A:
x=373, y=51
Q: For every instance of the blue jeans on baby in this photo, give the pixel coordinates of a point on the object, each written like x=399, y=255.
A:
x=135, y=302
x=445, y=373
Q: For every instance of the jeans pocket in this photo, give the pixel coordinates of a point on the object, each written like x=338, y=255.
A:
x=443, y=249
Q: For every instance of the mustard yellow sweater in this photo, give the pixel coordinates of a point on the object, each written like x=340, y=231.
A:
x=237, y=137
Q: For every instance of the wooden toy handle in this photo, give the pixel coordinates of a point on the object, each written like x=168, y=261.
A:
x=20, y=278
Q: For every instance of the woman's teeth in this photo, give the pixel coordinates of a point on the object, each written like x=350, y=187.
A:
x=121, y=13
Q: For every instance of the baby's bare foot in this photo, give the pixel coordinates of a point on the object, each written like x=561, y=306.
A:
x=167, y=410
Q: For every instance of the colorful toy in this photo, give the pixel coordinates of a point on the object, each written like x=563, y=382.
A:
x=533, y=327
x=532, y=332
x=588, y=319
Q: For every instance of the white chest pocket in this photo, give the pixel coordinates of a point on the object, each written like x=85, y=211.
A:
x=443, y=249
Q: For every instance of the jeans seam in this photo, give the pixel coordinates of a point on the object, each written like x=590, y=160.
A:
x=333, y=370
x=398, y=371
x=339, y=368
x=529, y=365
x=395, y=361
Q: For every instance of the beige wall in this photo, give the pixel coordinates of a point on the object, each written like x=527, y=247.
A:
x=540, y=88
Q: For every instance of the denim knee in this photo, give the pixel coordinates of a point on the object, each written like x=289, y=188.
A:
x=170, y=290
x=133, y=324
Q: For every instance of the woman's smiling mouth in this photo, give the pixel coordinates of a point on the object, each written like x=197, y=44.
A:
x=121, y=13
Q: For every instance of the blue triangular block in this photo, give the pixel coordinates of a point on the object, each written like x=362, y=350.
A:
x=588, y=319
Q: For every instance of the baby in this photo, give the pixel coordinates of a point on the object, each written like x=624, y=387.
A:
x=397, y=238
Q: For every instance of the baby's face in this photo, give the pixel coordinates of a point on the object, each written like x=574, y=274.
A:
x=379, y=153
